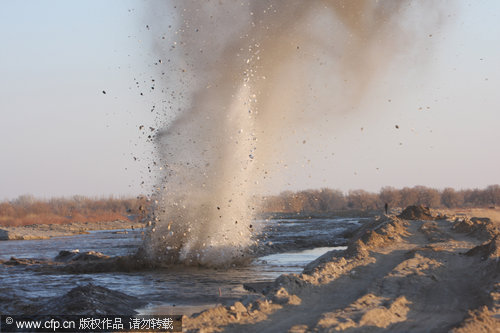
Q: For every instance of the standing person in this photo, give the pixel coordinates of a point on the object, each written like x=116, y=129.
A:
x=386, y=206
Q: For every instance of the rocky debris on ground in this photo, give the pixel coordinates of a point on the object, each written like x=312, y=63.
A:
x=481, y=228
x=92, y=300
x=416, y=213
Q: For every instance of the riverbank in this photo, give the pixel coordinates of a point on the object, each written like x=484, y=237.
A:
x=46, y=231
x=395, y=276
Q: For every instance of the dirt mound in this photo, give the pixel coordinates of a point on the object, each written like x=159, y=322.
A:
x=381, y=232
x=75, y=255
x=377, y=233
x=433, y=233
x=416, y=213
x=239, y=313
x=92, y=300
x=489, y=250
x=481, y=228
x=479, y=320
x=369, y=310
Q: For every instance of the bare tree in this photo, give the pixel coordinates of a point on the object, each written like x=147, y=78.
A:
x=409, y=197
x=332, y=199
x=492, y=194
x=451, y=198
x=427, y=196
x=390, y=195
x=361, y=199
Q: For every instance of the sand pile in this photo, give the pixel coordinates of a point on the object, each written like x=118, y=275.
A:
x=489, y=250
x=481, y=228
x=416, y=213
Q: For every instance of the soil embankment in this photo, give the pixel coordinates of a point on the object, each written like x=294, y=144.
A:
x=46, y=231
x=397, y=275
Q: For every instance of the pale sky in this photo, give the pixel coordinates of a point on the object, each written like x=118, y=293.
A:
x=60, y=135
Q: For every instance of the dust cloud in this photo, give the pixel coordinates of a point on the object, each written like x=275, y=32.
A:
x=240, y=78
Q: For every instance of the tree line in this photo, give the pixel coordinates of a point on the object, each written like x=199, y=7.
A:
x=27, y=209
x=325, y=200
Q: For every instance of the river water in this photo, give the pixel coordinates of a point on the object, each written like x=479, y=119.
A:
x=186, y=289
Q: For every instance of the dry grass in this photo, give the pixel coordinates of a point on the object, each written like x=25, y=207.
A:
x=491, y=213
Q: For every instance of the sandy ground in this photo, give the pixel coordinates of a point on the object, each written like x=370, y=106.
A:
x=492, y=213
x=396, y=276
x=45, y=231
